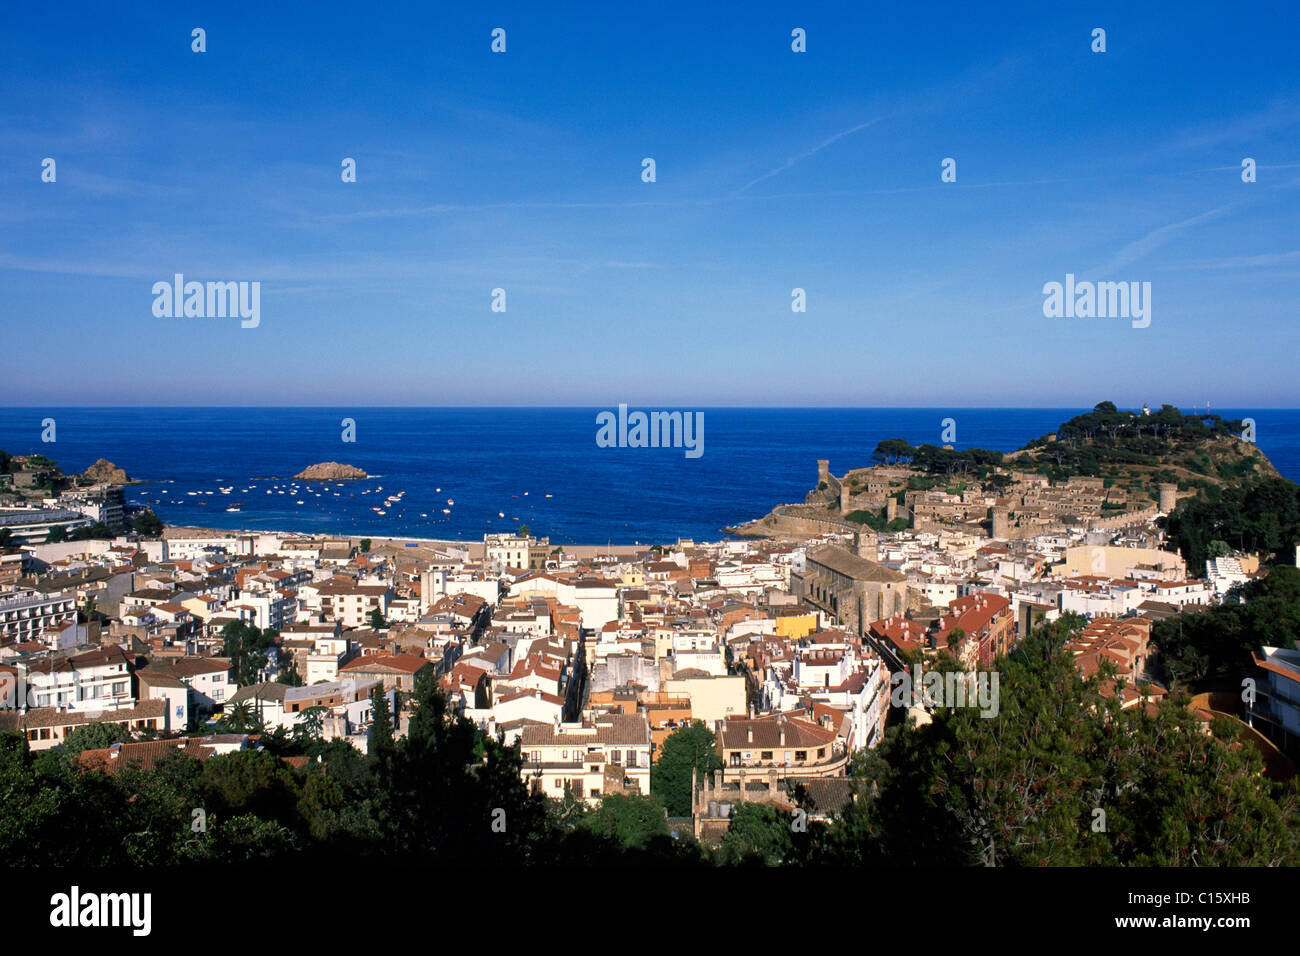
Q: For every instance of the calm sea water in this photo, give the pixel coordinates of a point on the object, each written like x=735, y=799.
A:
x=490, y=466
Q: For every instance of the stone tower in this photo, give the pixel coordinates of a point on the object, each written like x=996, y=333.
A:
x=844, y=499
x=823, y=471
x=1001, y=523
x=891, y=508
x=1168, y=496
x=864, y=543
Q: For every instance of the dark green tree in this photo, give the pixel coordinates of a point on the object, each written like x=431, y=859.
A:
x=380, y=739
x=248, y=649
x=759, y=833
x=148, y=524
x=95, y=736
x=688, y=748
x=241, y=719
x=631, y=821
x=310, y=723
x=1063, y=776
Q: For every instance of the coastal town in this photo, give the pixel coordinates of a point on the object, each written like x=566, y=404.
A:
x=791, y=645
x=362, y=554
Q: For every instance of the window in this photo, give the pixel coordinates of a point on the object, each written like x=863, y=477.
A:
x=801, y=755
x=558, y=783
x=765, y=755
x=821, y=752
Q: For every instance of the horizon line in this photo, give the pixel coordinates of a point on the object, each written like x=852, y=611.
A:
x=694, y=406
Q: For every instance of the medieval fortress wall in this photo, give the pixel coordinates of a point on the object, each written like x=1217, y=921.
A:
x=1037, y=509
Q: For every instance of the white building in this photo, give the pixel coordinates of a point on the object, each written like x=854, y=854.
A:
x=606, y=754
x=511, y=551
x=1277, y=709
x=274, y=609
x=595, y=599
x=26, y=614
x=91, y=681
x=1224, y=574
x=211, y=681
x=347, y=701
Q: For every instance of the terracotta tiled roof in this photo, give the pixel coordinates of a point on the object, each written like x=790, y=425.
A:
x=392, y=663
x=144, y=754
x=800, y=734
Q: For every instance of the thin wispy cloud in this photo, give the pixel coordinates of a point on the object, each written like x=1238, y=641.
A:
x=794, y=160
x=1140, y=248
x=443, y=208
x=1221, y=169
x=1261, y=261
x=1277, y=116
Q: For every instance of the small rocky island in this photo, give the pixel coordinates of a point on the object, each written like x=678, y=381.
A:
x=104, y=471
x=330, y=471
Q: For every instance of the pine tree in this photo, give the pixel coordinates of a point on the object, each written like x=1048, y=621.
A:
x=380, y=740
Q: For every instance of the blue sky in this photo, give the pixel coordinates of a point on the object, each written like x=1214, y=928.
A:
x=775, y=170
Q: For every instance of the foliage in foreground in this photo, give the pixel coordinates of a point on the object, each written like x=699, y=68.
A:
x=1021, y=789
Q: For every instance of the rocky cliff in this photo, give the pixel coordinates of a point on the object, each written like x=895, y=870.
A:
x=104, y=471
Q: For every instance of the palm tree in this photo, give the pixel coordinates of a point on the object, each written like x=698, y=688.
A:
x=309, y=727
x=241, y=719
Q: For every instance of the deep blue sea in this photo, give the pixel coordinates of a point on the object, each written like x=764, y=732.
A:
x=488, y=467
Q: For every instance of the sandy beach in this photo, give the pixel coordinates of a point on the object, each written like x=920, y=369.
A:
x=405, y=544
